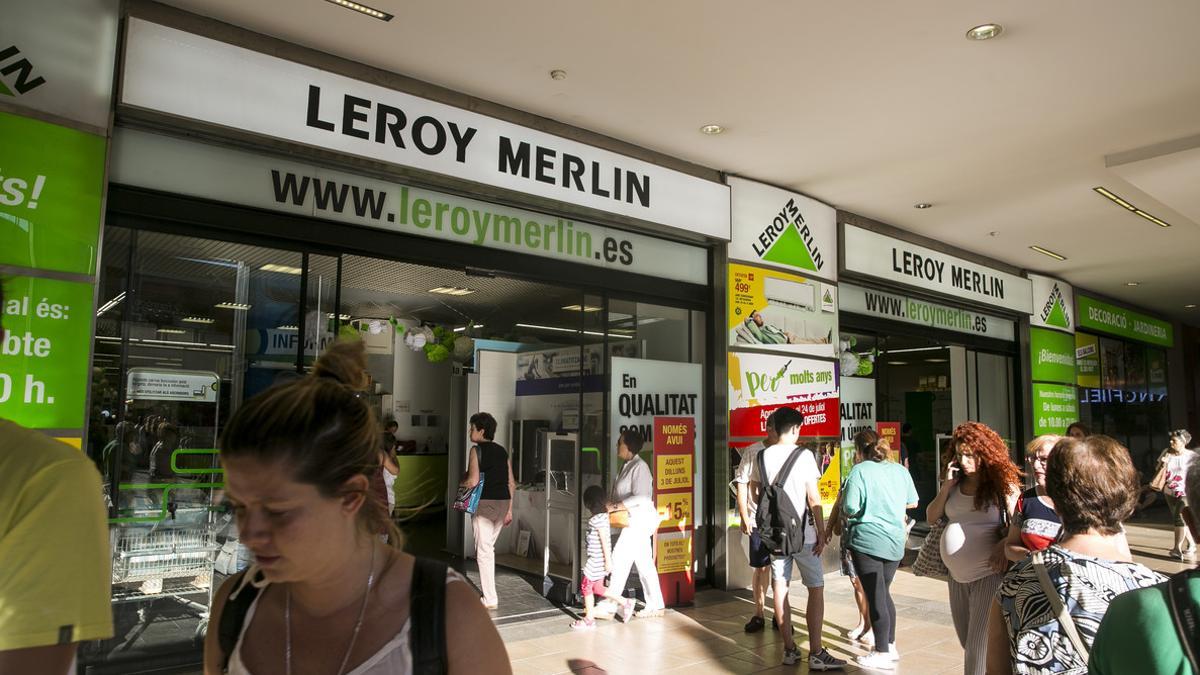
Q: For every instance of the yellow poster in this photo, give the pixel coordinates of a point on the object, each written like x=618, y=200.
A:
x=781, y=312
x=674, y=472
x=831, y=480
x=674, y=553
x=675, y=508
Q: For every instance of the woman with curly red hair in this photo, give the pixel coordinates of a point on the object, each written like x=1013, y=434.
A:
x=977, y=499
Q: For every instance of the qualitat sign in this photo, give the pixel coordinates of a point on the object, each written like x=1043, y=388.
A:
x=783, y=229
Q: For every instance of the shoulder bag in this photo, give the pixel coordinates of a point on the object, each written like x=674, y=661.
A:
x=1057, y=606
x=929, y=559
x=1160, y=477
x=1186, y=615
x=467, y=500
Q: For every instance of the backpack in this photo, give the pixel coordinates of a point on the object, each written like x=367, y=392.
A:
x=780, y=523
x=427, y=618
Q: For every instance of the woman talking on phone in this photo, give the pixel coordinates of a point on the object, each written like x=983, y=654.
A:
x=978, y=497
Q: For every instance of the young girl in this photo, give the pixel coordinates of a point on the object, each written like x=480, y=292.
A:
x=328, y=595
x=599, y=559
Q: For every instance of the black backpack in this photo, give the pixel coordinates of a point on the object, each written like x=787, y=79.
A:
x=427, y=618
x=780, y=523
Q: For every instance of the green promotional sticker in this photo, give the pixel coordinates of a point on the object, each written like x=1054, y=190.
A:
x=1055, y=406
x=1087, y=360
x=1052, y=356
x=51, y=183
x=44, y=352
x=1123, y=322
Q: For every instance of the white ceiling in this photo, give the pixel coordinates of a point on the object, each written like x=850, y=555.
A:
x=870, y=106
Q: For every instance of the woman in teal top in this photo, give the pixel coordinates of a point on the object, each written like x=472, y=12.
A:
x=877, y=493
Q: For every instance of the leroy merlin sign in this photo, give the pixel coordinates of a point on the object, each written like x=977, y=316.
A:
x=1125, y=323
x=782, y=228
x=1053, y=304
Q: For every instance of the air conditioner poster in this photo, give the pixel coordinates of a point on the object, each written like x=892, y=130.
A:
x=777, y=311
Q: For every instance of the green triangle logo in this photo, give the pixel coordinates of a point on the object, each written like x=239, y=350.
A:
x=1058, y=316
x=828, y=298
x=5, y=90
x=789, y=249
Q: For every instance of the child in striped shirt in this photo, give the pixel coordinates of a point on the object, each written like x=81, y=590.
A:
x=599, y=556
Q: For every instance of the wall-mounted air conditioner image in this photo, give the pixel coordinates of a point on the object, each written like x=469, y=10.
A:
x=791, y=315
x=784, y=293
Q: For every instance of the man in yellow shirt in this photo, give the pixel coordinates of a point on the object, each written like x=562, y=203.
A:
x=55, y=564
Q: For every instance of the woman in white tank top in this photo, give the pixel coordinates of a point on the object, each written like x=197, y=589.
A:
x=331, y=597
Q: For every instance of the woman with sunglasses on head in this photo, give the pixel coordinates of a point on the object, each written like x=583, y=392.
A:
x=1035, y=524
x=324, y=594
x=978, y=498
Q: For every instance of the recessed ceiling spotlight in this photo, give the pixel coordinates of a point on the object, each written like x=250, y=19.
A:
x=922, y=205
x=1132, y=283
x=985, y=31
x=558, y=74
x=362, y=9
x=1046, y=251
x=1190, y=306
x=712, y=129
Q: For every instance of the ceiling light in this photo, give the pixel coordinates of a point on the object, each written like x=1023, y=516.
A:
x=558, y=329
x=712, y=129
x=1191, y=306
x=922, y=205
x=232, y=305
x=1147, y=216
x=558, y=74
x=985, y=31
x=282, y=269
x=287, y=327
x=1046, y=251
x=463, y=328
x=582, y=308
x=451, y=290
x=172, y=331
x=343, y=317
x=898, y=363
x=1132, y=283
x=935, y=361
x=1115, y=198
x=362, y=9
x=111, y=303
x=197, y=319
x=913, y=349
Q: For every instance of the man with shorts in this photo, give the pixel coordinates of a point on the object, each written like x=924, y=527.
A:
x=801, y=489
x=760, y=557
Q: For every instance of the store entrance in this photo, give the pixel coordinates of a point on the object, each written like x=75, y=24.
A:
x=917, y=388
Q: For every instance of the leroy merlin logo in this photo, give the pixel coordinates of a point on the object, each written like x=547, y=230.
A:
x=1055, y=311
x=789, y=241
x=25, y=81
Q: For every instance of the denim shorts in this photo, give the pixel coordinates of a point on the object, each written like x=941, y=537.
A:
x=812, y=575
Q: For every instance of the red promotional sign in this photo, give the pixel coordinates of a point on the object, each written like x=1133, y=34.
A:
x=821, y=418
x=674, y=469
x=890, y=432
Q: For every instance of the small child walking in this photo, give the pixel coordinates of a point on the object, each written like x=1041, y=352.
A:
x=599, y=557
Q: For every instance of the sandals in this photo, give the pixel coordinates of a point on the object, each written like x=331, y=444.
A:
x=651, y=613
x=583, y=624
x=627, y=611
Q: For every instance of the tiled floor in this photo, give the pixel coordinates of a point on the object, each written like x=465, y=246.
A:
x=708, y=638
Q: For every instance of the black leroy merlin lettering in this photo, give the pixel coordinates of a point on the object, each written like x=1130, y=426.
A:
x=925, y=268
x=384, y=124
x=572, y=172
x=25, y=81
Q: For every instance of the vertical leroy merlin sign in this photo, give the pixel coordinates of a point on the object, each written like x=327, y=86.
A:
x=1052, y=363
x=1053, y=304
x=50, y=200
x=783, y=229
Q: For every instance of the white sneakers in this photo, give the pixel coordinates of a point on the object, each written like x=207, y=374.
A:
x=876, y=661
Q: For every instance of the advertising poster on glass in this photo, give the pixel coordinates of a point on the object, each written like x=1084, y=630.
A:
x=781, y=312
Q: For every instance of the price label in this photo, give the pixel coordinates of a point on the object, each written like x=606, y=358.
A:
x=676, y=511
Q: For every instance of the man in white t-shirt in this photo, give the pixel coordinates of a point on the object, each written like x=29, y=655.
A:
x=801, y=490
x=760, y=557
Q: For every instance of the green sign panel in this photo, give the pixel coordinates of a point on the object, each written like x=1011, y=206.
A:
x=1052, y=356
x=44, y=352
x=51, y=185
x=1125, y=323
x=1054, y=407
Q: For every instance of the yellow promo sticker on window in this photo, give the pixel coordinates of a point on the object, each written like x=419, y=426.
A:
x=674, y=553
x=675, y=509
x=673, y=472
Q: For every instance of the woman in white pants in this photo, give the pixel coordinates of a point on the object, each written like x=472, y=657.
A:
x=634, y=493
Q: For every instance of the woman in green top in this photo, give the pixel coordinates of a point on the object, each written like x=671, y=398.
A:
x=877, y=494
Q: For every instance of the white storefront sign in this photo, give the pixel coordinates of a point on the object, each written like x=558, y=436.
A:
x=776, y=227
x=767, y=379
x=898, y=261
x=1053, y=304
x=894, y=307
x=145, y=384
x=203, y=79
x=857, y=403
x=185, y=167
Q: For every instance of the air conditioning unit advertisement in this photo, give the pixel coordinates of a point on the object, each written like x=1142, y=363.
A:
x=781, y=312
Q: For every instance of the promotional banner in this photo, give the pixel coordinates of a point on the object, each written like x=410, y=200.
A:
x=781, y=312
x=675, y=449
x=857, y=407
x=149, y=384
x=52, y=181
x=820, y=418
x=44, y=377
x=174, y=165
x=1126, y=323
x=1054, y=408
x=1052, y=356
x=902, y=262
x=1053, y=304
x=894, y=307
x=777, y=227
x=890, y=432
x=764, y=379
x=1087, y=360
x=263, y=94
